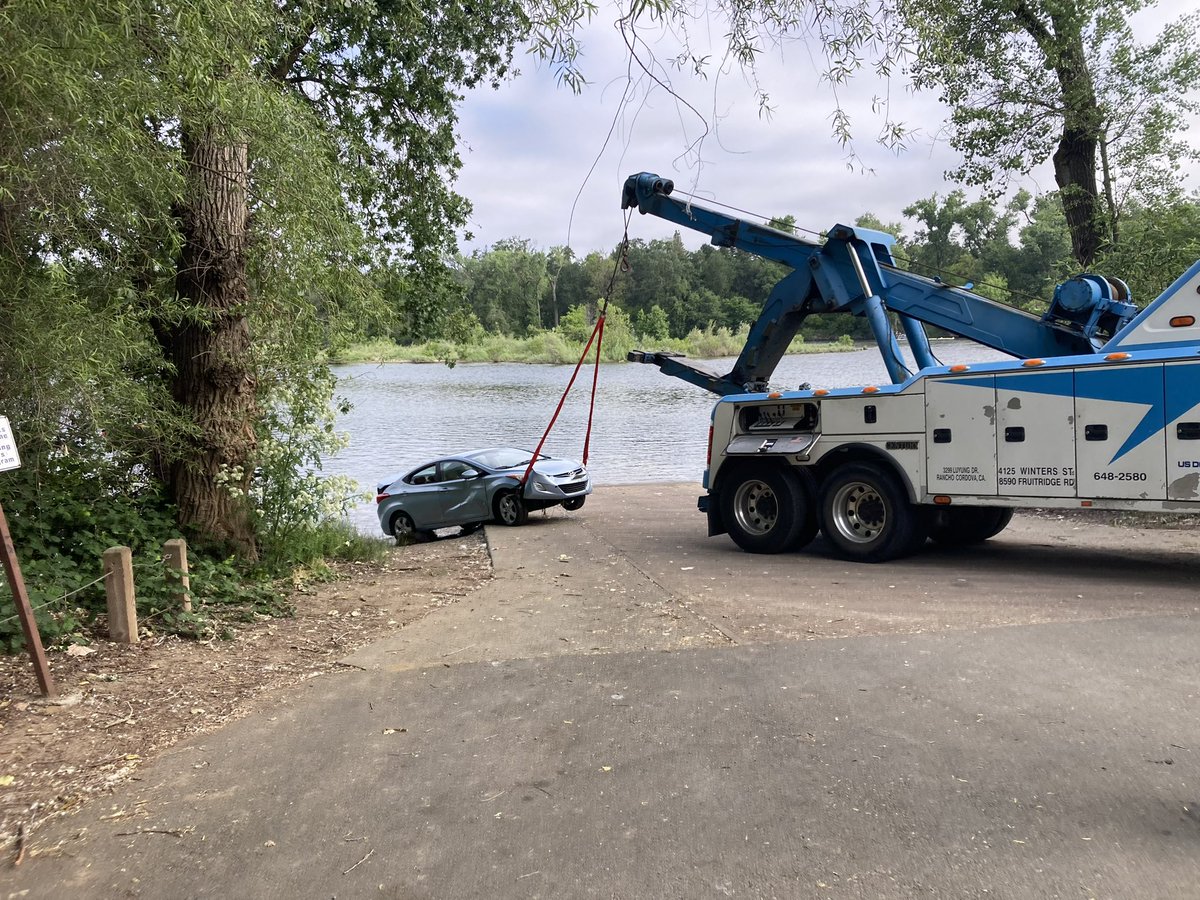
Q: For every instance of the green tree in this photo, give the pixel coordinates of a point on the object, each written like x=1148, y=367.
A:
x=507, y=285
x=696, y=309
x=597, y=276
x=374, y=88
x=82, y=230
x=220, y=174
x=1043, y=257
x=1160, y=243
x=423, y=306
x=563, y=282
x=652, y=324
x=1063, y=80
x=754, y=277
x=660, y=274
x=713, y=268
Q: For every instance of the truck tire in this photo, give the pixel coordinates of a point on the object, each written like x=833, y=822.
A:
x=960, y=526
x=768, y=509
x=866, y=515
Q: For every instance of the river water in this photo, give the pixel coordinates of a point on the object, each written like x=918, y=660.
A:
x=647, y=427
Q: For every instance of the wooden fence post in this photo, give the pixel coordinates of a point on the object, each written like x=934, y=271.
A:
x=16, y=583
x=118, y=585
x=175, y=557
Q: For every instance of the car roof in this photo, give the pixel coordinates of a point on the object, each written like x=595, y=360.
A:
x=463, y=455
x=472, y=454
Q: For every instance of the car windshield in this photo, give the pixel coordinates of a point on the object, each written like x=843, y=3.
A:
x=503, y=458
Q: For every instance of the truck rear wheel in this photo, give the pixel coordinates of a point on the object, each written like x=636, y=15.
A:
x=866, y=515
x=768, y=509
x=959, y=526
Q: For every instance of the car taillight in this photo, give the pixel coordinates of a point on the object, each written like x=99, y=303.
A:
x=708, y=455
x=379, y=498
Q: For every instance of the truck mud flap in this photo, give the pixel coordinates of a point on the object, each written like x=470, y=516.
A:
x=715, y=524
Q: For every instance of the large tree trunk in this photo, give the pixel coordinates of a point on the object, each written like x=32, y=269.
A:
x=1075, y=172
x=211, y=348
x=1075, y=158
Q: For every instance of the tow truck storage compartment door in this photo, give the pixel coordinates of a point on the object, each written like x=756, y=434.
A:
x=1183, y=431
x=1035, y=433
x=873, y=414
x=960, y=434
x=1119, y=444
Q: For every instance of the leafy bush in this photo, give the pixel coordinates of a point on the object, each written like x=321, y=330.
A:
x=296, y=506
x=61, y=531
x=64, y=516
x=67, y=507
x=714, y=341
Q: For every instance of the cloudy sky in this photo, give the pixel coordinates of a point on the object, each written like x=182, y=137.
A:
x=545, y=164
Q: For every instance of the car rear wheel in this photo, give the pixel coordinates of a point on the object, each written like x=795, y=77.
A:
x=573, y=504
x=866, y=515
x=510, y=509
x=405, y=532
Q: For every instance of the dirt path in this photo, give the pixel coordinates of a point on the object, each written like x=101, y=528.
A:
x=120, y=705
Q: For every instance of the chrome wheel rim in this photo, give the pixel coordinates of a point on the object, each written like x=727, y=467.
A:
x=859, y=512
x=756, y=507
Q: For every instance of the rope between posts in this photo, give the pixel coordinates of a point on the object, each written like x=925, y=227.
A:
x=57, y=599
x=77, y=590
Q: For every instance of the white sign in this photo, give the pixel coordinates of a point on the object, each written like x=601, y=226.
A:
x=9, y=458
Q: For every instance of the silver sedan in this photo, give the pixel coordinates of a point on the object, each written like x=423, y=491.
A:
x=470, y=488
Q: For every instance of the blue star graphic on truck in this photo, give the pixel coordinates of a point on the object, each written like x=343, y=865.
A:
x=1141, y=385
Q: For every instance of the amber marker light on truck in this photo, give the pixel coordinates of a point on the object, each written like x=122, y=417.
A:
x=961, y=367
x=943, y=500
x=1030, y=363
x=1183, y=321
x=870, y=389
x=1116, y=357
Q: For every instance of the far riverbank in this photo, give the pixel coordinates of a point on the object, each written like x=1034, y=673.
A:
x=551, y=348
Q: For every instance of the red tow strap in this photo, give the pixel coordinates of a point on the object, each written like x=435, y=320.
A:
x=587, y=436
x=597, y=337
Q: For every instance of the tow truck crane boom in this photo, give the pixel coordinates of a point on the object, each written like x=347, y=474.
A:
x=854, y=271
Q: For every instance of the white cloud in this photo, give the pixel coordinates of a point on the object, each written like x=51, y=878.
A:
x=528, y=147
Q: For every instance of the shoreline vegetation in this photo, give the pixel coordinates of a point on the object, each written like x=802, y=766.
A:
x=552, y=348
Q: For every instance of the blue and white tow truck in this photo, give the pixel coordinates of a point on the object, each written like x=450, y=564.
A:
x=1100, y=406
